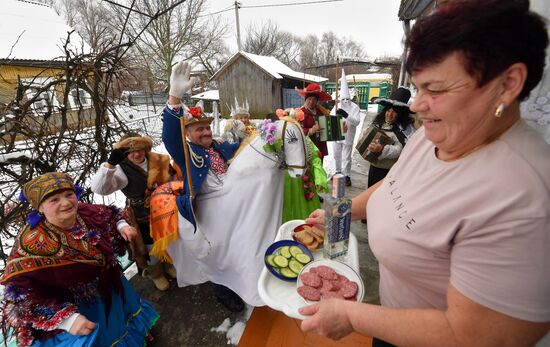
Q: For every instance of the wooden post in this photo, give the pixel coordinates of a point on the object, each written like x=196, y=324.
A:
x=357, y=100
x=336, y=98
x=186, y=157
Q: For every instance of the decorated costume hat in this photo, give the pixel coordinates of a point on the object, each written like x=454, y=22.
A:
x=38, y=189
x=135, y=142
x=314, y=89
x=239, y=110
x=399, y=98
x=195, y=115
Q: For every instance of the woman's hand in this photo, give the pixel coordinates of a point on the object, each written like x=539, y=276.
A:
x=128, y=233
x=316, y=217
x=82, y=326
x=375, y=147
x=328, y=318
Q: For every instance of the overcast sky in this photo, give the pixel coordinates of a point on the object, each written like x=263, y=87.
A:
x=373, y=23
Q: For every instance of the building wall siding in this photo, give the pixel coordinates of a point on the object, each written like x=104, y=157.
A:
x=9, y=76
x=245, y=80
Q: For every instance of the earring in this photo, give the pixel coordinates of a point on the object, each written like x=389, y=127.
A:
x=499, y=110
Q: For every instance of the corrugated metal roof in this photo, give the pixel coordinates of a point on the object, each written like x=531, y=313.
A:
x=411, y=9
x=207, y=95
x=272, y=66
x=33, y=31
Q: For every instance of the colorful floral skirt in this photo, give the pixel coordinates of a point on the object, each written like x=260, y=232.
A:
x=128, y=324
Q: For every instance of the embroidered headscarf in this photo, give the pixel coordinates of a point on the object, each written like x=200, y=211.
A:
x=36, y=190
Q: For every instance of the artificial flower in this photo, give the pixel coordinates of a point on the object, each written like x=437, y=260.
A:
x=195, y=112
x=78, y=232
x=267, y=131
x=299, y=115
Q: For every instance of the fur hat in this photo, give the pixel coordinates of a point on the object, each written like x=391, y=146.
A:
x=399, y=98
x=135, y=142
x=239, y=110
x=313, y=88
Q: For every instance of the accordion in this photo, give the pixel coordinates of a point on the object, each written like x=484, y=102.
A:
x=332, y=128
x=371, y=134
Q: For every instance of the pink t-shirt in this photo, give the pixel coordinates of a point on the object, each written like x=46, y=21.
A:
x=481, y=222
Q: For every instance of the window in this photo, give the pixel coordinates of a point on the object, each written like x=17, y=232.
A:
x=46, y=101
x=79, y=98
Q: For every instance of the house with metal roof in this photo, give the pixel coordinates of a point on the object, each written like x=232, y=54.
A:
x=264, y=81
x=32, y=55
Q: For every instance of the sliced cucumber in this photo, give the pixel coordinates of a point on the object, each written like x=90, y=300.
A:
x=303, y=258
x=295, y=266
x=288, y=273
x=295, y=250
x=280, y=261
x=285, y=252
x=269, y=260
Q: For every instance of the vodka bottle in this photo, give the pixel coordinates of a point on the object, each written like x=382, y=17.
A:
x=337, y=220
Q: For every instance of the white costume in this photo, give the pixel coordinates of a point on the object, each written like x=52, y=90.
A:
x=238, y=215
x=342, y=149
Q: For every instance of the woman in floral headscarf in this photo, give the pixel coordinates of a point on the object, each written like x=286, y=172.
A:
x=63, y=283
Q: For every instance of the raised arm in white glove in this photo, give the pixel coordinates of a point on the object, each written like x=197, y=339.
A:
x=180, y=82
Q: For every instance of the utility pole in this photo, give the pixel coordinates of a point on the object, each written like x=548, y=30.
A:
x=237, y=4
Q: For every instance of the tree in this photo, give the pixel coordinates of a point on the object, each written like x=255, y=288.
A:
x=58, y=122
x=181, y=33
x=310, y=51
x=92, y=19
x=316, y=52
x=209, y=49
x=269, y=40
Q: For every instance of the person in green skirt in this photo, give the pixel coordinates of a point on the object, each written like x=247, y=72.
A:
x=301, y=195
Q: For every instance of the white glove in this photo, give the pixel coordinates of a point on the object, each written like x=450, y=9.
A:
x=180, y=83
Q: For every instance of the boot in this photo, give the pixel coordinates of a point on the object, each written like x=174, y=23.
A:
x=156, y=274
x=170, y=270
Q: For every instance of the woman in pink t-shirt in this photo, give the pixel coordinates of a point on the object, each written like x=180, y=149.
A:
x=460, y=225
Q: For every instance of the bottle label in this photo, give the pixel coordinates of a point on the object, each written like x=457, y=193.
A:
x=339, y=226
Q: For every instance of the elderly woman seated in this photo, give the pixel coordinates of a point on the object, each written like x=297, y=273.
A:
x=64, y=285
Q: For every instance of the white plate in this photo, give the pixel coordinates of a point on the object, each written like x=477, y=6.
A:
x=341, y=269
x=285, y=231
x=282, y=296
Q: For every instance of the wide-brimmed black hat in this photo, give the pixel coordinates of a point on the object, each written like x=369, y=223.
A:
x=399, y=98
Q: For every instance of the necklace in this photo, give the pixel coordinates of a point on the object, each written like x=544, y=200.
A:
x=197, y=160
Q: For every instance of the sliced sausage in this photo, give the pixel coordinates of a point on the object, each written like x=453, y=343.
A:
x=326, y=272
x=309, y=293
x=327, y=286
x=311, y=279
x=349, y=289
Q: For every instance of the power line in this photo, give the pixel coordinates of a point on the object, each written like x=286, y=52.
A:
x=292, y=4
x=130, y=9
x=220, y=11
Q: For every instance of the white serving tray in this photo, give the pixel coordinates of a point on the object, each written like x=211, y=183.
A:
x=281, y=295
